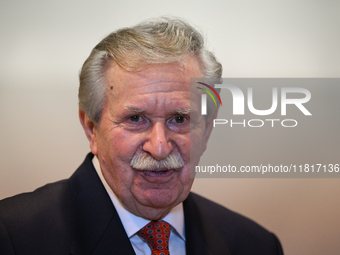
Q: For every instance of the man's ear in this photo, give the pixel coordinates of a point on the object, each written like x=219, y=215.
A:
x=208, y=129
x=90, y=131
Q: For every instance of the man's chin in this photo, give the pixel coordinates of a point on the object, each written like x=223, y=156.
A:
x=162, y=199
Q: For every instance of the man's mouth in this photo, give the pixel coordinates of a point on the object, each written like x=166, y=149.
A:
x=159, y=175
x=154, y=173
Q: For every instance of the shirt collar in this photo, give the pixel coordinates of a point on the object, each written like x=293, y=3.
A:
x=133, y=223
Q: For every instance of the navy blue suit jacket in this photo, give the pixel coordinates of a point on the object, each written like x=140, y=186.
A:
x=76, y=216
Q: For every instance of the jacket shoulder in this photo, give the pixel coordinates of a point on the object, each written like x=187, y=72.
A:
x=27, y=219
x=241, y=234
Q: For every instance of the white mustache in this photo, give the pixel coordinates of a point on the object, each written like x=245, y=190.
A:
x=143, y=161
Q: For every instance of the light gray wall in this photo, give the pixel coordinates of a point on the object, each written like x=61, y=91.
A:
x=44, y=43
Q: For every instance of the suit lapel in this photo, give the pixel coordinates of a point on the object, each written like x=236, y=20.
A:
x=202, y=237
x=99, y=229
x=114, y=240
x=195, y=243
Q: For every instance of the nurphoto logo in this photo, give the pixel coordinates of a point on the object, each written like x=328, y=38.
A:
x=278, y=100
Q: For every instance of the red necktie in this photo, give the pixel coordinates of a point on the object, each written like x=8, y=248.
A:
x=156, y=234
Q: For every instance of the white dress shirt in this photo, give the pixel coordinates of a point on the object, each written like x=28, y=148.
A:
x=132, y=223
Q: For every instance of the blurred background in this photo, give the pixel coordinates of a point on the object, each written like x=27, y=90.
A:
x=44, y=44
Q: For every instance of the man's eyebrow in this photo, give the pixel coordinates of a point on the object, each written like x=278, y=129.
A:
x=185, y=111
x=134, y=109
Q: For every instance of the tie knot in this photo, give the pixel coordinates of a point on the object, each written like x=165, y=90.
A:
x=156, y=234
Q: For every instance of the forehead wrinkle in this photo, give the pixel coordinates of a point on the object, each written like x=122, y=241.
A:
x=165, y=87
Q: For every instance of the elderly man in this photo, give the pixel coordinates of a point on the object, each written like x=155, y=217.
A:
x=132, y=194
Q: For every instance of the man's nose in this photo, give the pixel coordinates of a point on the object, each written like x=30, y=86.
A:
x=158, y=144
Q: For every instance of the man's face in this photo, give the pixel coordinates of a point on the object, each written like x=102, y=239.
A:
x=146, y=115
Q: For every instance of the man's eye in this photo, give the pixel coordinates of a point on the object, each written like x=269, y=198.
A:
x=179, y=123
x=179, y=119
x=136, y=122
x=135, y=118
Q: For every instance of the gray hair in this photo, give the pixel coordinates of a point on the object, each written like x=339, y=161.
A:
x=158, y=41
